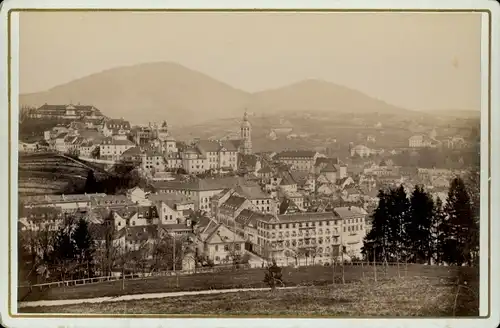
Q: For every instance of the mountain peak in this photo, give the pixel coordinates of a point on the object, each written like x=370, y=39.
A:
x=157, y=91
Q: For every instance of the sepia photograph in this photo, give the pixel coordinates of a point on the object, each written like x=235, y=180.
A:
x=239, y=163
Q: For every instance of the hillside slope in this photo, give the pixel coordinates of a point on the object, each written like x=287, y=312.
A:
x=169, y=91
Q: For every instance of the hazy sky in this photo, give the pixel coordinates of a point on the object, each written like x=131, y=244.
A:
x=417, y=61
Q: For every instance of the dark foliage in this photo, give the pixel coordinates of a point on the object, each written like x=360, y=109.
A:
x=420, y=230
x=273, y=276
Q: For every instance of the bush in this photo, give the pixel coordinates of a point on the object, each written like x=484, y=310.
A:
x=273, y=276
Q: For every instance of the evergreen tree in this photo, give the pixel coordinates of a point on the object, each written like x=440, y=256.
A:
x=460, y=226
x=399, y=210
x=63, y=251
x=418, y=227
x=90, y=183
x=377, y=241
x=437, y=235
x=84, y=248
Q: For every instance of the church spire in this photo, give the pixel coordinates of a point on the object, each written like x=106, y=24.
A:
x=246, y=134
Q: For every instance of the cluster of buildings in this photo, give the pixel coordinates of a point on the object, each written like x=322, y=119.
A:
x=287, y=206
x=431, y=141
x=92, y=136
x=239, y=218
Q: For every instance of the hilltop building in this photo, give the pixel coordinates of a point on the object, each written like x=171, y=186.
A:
x=66, y=112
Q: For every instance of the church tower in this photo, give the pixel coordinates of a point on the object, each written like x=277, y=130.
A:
x=246, y=135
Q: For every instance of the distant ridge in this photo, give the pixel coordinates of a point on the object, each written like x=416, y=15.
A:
x=169, y=91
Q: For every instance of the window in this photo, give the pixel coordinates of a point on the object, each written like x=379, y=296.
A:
x=216, y=248
x=237, y=247
x=217, y=258
x=344, y=229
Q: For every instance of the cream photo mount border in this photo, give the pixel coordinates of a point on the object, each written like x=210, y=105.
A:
x=489, y=158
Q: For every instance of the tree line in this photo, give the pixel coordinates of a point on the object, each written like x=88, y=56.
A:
x=66, y=253
x=416, y=228
x=77, y=250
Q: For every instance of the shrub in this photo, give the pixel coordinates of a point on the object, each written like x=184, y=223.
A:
x=273, y=276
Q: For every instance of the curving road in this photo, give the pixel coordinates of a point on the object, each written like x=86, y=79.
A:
x=141, y=296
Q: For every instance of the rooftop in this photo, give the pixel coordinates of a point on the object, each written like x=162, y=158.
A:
x=306, y=216
x=350, y=211
x=117, y=142
x=234, y=202
x=199, y=184
x=296, y=154
x=252, y=192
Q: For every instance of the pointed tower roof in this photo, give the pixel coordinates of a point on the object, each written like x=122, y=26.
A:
x=245, y=122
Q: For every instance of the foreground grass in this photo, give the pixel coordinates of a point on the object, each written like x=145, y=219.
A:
x=407, y=297
x=251, y=278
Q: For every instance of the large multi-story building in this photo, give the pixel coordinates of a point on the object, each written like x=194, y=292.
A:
x=153, y=161
x=300, y=160
x=218, y=154
x=193, y=160
x=116, y=127
x=143, y=136
x=113, y=149
x=423, y=141
x=353, y=229
x=313, y=235
x=66, y=112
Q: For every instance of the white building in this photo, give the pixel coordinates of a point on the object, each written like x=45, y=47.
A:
x=113, y=149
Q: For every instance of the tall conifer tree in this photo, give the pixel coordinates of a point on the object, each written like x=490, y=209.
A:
x=377, y=240
x=418, y=227
x=460, y=226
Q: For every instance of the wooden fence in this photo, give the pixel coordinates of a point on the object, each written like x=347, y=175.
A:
x=130, y=276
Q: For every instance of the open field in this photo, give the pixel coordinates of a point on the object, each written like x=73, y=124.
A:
x=249, y=278
x=406, y=296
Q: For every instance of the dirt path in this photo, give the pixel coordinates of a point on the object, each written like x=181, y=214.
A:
x=139, y=297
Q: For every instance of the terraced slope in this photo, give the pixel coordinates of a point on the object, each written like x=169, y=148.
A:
x=50, y=173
